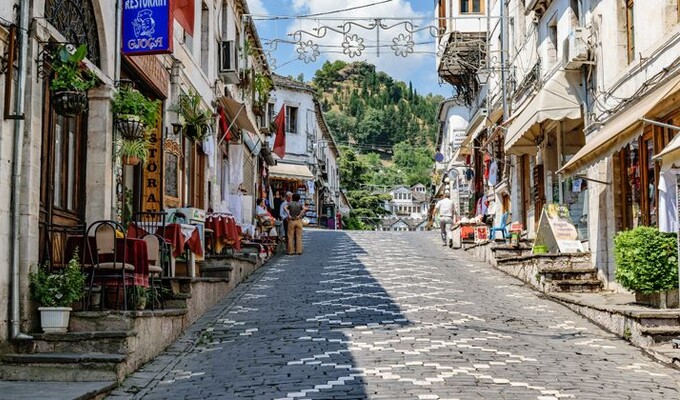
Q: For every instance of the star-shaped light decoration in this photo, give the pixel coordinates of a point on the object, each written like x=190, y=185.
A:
x=402, y=45
x=353, y=46
x=308, y=51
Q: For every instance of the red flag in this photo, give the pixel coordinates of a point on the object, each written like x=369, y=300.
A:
x=183, y=11
x=224, y=125
x=280, y=141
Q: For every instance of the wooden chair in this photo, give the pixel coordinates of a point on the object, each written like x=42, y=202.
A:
x=108, y=264
x=158, y=251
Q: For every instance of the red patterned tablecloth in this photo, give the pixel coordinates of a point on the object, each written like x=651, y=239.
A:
x=136, y=254
x=225, y=232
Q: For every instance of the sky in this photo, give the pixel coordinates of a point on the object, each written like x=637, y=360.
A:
x=418, y=67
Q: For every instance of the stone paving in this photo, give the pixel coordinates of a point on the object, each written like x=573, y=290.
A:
x=383, y=315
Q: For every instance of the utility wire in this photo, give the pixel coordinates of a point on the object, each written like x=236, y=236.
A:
x=283, y=17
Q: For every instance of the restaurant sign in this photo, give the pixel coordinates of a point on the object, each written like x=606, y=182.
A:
x=151, y=200
x=147, y=27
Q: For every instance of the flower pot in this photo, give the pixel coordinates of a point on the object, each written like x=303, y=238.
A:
x=130, y=160
x=54, y=319
x=130, y=126
x=69, y=103
x=194, y=132
x=258, y=110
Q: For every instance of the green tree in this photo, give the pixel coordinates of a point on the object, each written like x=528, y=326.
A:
x=341, y=125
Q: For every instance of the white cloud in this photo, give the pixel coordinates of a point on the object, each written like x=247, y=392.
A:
x=256, y=7
x=402, y=68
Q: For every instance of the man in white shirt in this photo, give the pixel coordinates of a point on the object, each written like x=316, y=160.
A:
x=444, y=209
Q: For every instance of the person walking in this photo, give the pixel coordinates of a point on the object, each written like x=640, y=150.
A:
x=283, y=214
x=295, y=212
x=444, y=209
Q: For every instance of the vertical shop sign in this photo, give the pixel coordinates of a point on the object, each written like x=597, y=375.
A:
x=147, y=27
x=151, y=177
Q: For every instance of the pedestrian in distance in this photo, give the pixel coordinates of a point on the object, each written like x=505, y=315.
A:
x=284, y=214
x=444, y=209
x=295, y=212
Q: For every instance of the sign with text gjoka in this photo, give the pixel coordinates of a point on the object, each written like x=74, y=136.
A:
x=556, y=231
x=147, y=27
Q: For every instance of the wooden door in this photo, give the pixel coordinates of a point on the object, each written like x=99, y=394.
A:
x=62, y=190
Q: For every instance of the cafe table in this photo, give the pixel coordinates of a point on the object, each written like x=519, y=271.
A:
x=180, y=237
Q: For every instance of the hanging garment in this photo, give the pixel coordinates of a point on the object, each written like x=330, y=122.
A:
x=493, y=173
x=235, y=167
x=668, y=204
x=208, y=146
x=310, y=187
x=487, y=161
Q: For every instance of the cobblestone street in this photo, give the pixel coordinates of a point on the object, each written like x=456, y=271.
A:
x=383, y=315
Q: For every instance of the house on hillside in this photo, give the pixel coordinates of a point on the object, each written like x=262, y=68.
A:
x=408, y=202
x=398, y=224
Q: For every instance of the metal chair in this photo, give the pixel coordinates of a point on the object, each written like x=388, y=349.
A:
x=107, y=262
x=54, y=244
x=159, y=253
x=149, y=221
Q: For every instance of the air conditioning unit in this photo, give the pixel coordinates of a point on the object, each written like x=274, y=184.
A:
x=576, y=53
x=229, y=61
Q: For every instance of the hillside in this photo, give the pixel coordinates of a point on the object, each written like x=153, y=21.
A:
x=386, y=131
x=371, y=111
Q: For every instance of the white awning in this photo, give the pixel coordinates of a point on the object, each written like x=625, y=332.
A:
x=619, y=130
x=291, y=171
x=557, y=100
x=670, y=155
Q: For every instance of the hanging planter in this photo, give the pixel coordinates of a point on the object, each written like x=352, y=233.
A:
x=196, y=118
x=134, y=112
x=195, y=132
x=130, y=126
x=70, y=81
x=133, y=151
x=69, y=103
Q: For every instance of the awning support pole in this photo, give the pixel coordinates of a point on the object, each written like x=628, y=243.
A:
x=231, y=124
x=657, y=123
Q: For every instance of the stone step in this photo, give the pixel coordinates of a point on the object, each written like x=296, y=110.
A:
x=661, y=334
x=570, y=274
x=651, y=319
x=62, y=367
x=113, y=342
x=578, y=286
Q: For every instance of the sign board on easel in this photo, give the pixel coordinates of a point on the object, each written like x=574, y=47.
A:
x=556, y=232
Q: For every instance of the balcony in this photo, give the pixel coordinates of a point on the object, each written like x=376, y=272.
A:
x=461, y=56
x=538, y=6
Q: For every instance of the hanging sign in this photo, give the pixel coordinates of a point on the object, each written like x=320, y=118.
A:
x=556, y=232
x=147, y=27
x=151, y=175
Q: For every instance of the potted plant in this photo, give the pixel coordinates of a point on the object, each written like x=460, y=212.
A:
x=647, y=264
x=70, y=81
x=134, y=112
x=140, y=298
x=132, y=151
x=262, y=85
x=56, y=292
x=196, y=118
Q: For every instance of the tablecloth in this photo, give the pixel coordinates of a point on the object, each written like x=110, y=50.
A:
x=136, y=254
x=178, y=236
x=225, y=232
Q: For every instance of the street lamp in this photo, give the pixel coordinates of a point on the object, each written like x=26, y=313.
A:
x=483, y=75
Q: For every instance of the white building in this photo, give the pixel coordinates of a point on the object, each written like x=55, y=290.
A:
x=581, y=75
x=408, y=202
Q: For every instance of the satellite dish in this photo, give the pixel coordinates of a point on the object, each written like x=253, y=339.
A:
x=439, y=157
x=452, y=174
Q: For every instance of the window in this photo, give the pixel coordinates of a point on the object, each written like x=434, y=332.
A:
x=291, y=119
x=442, y=15
x=471, y=7
x=552, y=41
x=630, y=29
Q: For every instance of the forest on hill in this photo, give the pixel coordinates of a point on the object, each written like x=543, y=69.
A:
x=386, y=131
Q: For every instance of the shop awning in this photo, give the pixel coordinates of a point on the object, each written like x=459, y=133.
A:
x=619, y=130
x=670, y=155
x=236, y=111
x=557, y=100
x=291, y=171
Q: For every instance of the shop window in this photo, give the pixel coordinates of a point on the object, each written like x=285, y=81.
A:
x=471, y=6
x=291, y=119
x=630, y=29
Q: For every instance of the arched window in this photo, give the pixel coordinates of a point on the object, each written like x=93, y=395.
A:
x=76, y=21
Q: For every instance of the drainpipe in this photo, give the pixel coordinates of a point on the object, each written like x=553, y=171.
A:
x=22, y=33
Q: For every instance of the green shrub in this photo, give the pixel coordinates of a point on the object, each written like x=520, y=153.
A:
x=646, y=260
x=59, y=288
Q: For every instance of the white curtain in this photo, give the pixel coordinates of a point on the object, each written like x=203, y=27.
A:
x=235, y=167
